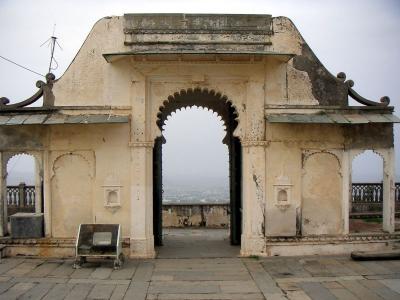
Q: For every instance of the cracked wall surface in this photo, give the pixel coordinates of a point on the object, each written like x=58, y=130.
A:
x=133, y=65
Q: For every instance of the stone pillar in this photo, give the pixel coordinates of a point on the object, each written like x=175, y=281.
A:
x=47, y=193
x=38, y=184
x=388, y=189
x=141, y=235
x=142, y=239
x=21, y=195
x=347, y=187
x=3, y=196
x=253, y=234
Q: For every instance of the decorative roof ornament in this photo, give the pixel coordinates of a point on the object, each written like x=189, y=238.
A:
x=45, y=90
x=384, y=101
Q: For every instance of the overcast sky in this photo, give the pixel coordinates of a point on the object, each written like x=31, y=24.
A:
x=360, y=38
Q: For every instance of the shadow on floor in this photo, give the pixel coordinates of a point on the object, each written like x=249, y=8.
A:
x=196, y=243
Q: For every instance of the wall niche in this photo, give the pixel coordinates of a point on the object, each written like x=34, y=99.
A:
x=282, y=192
x=112, y=193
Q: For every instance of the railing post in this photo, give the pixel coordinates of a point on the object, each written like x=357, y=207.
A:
x=21, y=194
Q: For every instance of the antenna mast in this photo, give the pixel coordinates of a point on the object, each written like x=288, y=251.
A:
x=52, y=42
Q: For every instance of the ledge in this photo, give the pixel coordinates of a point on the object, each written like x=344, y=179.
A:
x=193, y=55
x=339, y=117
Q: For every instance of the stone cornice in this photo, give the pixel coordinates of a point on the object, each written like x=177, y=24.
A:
x=248, y=143
x=142, y=144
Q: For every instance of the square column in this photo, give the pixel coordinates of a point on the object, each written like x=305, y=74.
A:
x=347, y=188
x=47, y=193
x=142, y=239
x=141, y=166
x=3, y=196
x=38, y=182
x=388, y=190
x=253, y=234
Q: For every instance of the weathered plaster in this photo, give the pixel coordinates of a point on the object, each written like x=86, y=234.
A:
x=322, y=193
x=295, y=177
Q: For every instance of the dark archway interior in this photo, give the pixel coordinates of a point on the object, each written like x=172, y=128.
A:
x=223, y=107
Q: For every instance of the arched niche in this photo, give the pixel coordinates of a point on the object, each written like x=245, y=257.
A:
x=321, y=196
x=71, y=193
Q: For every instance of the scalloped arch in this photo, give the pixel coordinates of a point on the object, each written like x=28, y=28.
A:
x=335, y=156
x=200, y=97
x=19, y=154
x=374, y=151
x=8, y=155
x=59, y=157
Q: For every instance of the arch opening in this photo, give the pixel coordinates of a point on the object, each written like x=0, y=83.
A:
x=220, y=105
x=366, y=197
x=21, y=192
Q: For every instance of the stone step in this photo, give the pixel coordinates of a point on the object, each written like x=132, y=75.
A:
x=396, y=245
x=2, y=251
x=376, y=255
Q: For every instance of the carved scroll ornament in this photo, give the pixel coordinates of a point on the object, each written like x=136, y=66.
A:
x=45, y=90
x=384, y=101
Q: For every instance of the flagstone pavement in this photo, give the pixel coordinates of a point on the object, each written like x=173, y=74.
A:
x=229, y=277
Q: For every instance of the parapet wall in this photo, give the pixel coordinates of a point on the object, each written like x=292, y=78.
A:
x=196, y=215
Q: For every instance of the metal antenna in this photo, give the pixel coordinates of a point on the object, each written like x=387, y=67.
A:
x=52, y=42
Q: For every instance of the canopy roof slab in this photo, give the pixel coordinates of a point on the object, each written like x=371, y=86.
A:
x=190, y=37
x=53, y=118
x=332, y=118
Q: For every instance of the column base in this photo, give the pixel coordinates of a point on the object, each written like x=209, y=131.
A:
x=142, y=248
x=252, y=245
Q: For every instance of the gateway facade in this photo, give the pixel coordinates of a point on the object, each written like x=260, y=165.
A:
x=291, y=134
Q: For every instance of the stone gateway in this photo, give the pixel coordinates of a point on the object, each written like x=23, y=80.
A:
x=290, y=131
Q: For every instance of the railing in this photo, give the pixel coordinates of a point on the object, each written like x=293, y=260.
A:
x=367, y=199
x=20, y=198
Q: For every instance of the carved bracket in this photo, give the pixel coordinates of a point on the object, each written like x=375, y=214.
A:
x=45, y=90
x=384, y=101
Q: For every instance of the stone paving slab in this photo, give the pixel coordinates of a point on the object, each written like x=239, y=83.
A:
x=38, y=291
x=297, y=278
x=119, y=292
x=17, y=290
x=317, y=291
x=44, y=269
x=137, y=290
x=63, y=270
x=393, y=284
x=59, y=291
x=40, y=280
x=99, y=281
x=79, y=291
x=101, y=291
x=359, y=290
x=239, y=296
x=24, y=268
x=9, y=263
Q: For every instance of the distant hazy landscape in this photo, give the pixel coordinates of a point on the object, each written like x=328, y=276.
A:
x=194, y=191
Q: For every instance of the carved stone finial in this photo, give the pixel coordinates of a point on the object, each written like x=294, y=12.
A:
x=384, y=101
x=45, y=90
x=341, y=76
x=4, y=101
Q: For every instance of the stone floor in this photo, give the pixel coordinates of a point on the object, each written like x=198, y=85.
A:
x=216, y=277
x=196, y=243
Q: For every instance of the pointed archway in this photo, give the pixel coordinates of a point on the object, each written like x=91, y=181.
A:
x=223, y=107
